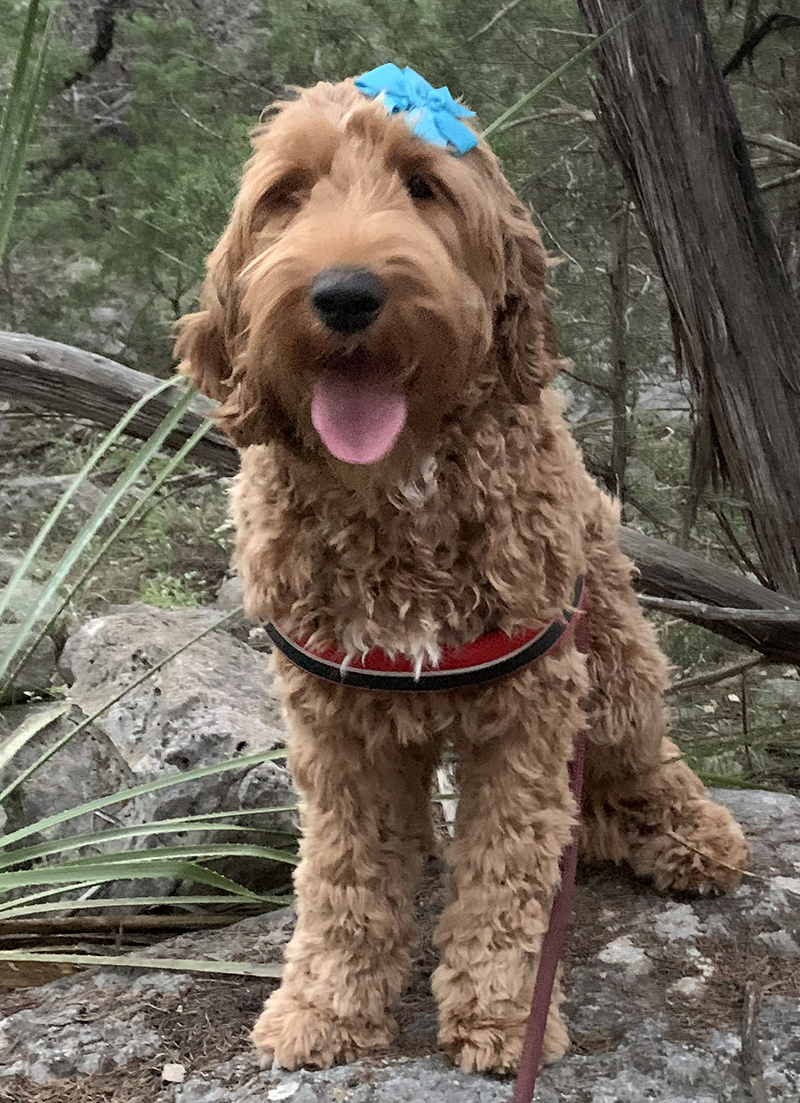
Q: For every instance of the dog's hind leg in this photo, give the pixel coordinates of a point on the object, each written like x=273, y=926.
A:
x=515, y=816
x=366, y=821
x=643, y=804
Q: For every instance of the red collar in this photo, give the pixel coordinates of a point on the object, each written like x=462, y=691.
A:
x=491, y=656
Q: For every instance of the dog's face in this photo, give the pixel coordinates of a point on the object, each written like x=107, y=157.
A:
x=367, y=286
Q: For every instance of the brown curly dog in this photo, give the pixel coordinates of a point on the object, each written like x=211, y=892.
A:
x=374, y=326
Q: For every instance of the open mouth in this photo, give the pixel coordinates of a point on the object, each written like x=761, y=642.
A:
x=357, y=410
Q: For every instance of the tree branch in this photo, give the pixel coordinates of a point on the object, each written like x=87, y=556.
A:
x=105, y=19
x=696, y=610
x=778, y=21
x=711, y=678
x=777, y=145
x=780, y=181
x=495, y=19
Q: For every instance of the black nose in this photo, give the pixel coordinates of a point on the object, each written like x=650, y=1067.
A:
x=347, y=299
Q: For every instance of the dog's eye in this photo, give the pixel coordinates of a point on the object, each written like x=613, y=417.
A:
x=285, y=196
x=418, y=187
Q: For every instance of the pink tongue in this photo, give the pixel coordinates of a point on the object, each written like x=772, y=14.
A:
x=357, y=413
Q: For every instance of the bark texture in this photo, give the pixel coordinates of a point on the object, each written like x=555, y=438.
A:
x=671, y=123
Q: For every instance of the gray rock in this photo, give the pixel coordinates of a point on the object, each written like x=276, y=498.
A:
x=780, y=693
x=8, y=564
x=671, y=1034
x=36, y=673
x=213, y=702
x=230, y=594
x=86, y=767
x=27, y=499
x=26, y=594
x=28, y=590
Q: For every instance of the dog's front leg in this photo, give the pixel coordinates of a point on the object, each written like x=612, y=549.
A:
x=366, y=820
x=514, y=818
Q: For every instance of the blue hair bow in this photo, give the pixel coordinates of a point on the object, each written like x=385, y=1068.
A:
x=433, y=114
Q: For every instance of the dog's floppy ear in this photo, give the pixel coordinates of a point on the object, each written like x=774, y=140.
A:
x=202, y=346
x=524, y=332
x=208, y=345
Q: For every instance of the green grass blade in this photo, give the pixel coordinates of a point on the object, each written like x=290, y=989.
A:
x=28, y=729
x=15, y=100
x=100, y=838
x=100, y=515
x=141, y=790
x=13, y=912
x=135, y=510
x=234, y=812
x=79, y=886
x=200, y=822
x=558, y=73
x=181, y=965
x=105, y=872
x=11, y=175
x=205, y=851
x=69, y=493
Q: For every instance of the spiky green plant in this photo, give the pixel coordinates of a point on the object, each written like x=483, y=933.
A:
x=19, y=112
x=41, y=877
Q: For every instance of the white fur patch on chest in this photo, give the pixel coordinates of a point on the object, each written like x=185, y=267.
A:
x=416, y=492
x=422, y=650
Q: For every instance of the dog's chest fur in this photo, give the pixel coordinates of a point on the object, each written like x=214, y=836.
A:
x=485, y=537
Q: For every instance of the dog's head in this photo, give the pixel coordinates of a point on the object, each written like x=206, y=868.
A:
x=368, y=285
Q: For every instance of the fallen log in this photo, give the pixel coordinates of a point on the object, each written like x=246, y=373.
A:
x=83, y=384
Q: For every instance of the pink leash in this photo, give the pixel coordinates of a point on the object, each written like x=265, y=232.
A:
x=553, y=944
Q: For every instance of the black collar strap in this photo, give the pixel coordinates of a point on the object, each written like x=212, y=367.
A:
x=491, y=656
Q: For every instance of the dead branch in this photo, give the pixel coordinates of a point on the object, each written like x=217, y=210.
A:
x=777, y=145
x=85, y=385
x=495, y=19
x=87, y=924
x=780, y=181
x=777, y=21
x=722, y=674
x=789, y=615
x=752, y=1061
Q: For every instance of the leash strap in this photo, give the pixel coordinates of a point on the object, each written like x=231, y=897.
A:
x=553, y=944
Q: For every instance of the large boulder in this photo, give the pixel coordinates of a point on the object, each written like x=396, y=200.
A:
x=86, y=767
x=213, y=702
x=656, y=988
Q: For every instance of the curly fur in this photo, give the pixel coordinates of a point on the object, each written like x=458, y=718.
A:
x=479, y=518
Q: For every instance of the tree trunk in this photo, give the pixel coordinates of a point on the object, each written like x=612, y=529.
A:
x=83, y=384
x=618, y=277
x=673, y=128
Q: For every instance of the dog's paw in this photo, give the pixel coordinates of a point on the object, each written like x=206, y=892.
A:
x=705, y=853
x=498, y=1048
x=292, y=1034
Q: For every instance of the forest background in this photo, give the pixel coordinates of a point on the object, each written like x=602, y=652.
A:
x=130, y=177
